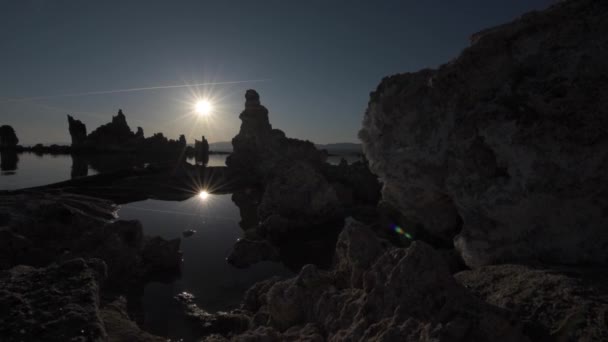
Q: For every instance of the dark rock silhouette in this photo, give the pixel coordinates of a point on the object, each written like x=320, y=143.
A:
x=258, y=148
x=8, y=138
x=115, y=133
x=117, y=137
x=78, y=132
x=504, y=148
x=201, y=151
x=292, y=198
x=140, y=133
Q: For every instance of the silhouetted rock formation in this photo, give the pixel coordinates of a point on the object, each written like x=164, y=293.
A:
x=116, y=136
x=201, y=151
x=294, y=206
x=8, y=138
x=116, y=132
x=505, y=147
x=258, y=148
x=78, y=132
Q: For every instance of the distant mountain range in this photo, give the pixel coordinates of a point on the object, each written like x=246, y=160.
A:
x=335, y=148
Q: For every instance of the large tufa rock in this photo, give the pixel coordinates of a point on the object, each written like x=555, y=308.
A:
x=508, y=140
x=78, y=132
x=258, y=149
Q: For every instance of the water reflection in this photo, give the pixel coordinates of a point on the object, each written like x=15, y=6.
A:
x=8, y=162
x=205, y=273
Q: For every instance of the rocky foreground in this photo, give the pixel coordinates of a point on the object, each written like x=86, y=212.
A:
x=66, y=265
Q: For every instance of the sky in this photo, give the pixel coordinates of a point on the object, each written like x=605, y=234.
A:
x=314, y=63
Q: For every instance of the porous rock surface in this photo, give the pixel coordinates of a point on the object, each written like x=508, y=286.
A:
x=375, y=292
x=505, y=148
x=567, y=304
x=57, y=303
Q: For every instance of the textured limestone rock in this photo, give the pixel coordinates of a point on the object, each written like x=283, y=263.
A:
x=57, y=303
x=375, y=292
x=565, y=304
x=505, y=147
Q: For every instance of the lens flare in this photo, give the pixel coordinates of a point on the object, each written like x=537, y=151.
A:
x=400, y=231
x=203, y=195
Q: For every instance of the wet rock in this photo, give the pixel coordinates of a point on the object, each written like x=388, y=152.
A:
x=78, y=132
x=563, y=304
x=376, y=292
x=56, y=303
x=503, y=148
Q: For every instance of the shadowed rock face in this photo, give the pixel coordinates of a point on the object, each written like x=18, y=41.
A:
x=504, y=148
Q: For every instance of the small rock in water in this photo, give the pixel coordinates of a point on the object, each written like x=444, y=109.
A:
x=188, y=232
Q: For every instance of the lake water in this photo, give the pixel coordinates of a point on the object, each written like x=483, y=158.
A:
x=205, y=273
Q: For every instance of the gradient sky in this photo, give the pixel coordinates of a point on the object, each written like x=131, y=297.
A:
x=320, y=59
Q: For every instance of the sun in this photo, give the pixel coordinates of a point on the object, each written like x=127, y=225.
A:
x=203, y=194
x=203, y=107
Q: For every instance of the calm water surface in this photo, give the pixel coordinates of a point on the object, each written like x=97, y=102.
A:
x=205, y=273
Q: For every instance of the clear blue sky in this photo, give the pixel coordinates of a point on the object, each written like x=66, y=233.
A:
x=321, y=59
